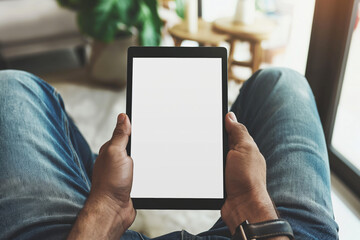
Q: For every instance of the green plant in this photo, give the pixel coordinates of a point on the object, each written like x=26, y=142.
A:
x=180, y=8
x=104, y=20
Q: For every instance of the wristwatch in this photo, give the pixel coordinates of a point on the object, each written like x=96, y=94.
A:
x=261, y=230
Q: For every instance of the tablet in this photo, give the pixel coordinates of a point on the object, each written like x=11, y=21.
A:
x=176, y=102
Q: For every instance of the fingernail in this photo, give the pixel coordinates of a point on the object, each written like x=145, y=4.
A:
x=121, y=118
x=232, y=117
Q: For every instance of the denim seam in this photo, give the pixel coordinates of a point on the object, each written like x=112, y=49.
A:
x=67, y=131
x=140, y=236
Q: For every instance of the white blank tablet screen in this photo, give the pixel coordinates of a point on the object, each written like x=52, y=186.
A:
x=177, y=136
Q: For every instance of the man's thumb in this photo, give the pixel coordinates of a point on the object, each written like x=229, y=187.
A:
x=121, y=132
x=230, y=121
x=236, y=131
x=232, y=116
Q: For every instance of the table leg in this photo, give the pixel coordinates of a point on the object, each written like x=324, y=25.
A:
x=231, y=56
x=177, y=41
x=256, y=50
x=3, y=63
x=231, y=62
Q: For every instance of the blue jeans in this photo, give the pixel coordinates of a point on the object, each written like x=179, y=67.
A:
x=46, y=164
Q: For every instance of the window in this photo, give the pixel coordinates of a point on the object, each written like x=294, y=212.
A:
x=346, y=134
x=334, y=76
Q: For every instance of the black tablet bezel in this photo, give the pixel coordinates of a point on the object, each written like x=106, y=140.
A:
x=179, y=52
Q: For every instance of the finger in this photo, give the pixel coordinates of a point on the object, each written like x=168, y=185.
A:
x=237, y=132
x=121, y=132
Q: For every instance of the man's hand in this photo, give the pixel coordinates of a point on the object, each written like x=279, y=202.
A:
x=245, y=179
x=108, y=211
x=113, y=170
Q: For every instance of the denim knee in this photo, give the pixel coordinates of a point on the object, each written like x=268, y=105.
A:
x=13, y=75
x=284, y=77
x=24, y=96
x=18, y=87
x=288, y=83
x=20, y=82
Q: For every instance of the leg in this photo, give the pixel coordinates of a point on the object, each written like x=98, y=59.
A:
x=278, y=108
x=256, y=51
x=231, y=57
x=177, y=41
x=81, y=54
x=45, y=162
x=3, y=63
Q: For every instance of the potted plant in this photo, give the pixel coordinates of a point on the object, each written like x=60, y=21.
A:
x=114, y=25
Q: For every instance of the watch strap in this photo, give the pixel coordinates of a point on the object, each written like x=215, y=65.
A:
x=261, y=230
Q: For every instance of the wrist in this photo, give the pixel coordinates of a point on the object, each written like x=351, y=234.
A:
x=255, y=207
x=101, y=218
x=119, y=213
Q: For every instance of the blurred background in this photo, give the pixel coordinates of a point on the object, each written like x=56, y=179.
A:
x=80, y=47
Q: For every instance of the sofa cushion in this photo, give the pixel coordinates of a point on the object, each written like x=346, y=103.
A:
x=23, y=20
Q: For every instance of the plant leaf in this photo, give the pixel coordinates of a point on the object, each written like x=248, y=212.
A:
x=149, y=23
x=105, y=19
x=180, y=8
x=75, y=4
x=102, y=21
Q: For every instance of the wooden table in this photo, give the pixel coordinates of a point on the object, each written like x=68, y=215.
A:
x=205, y=35
x=253, y=33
